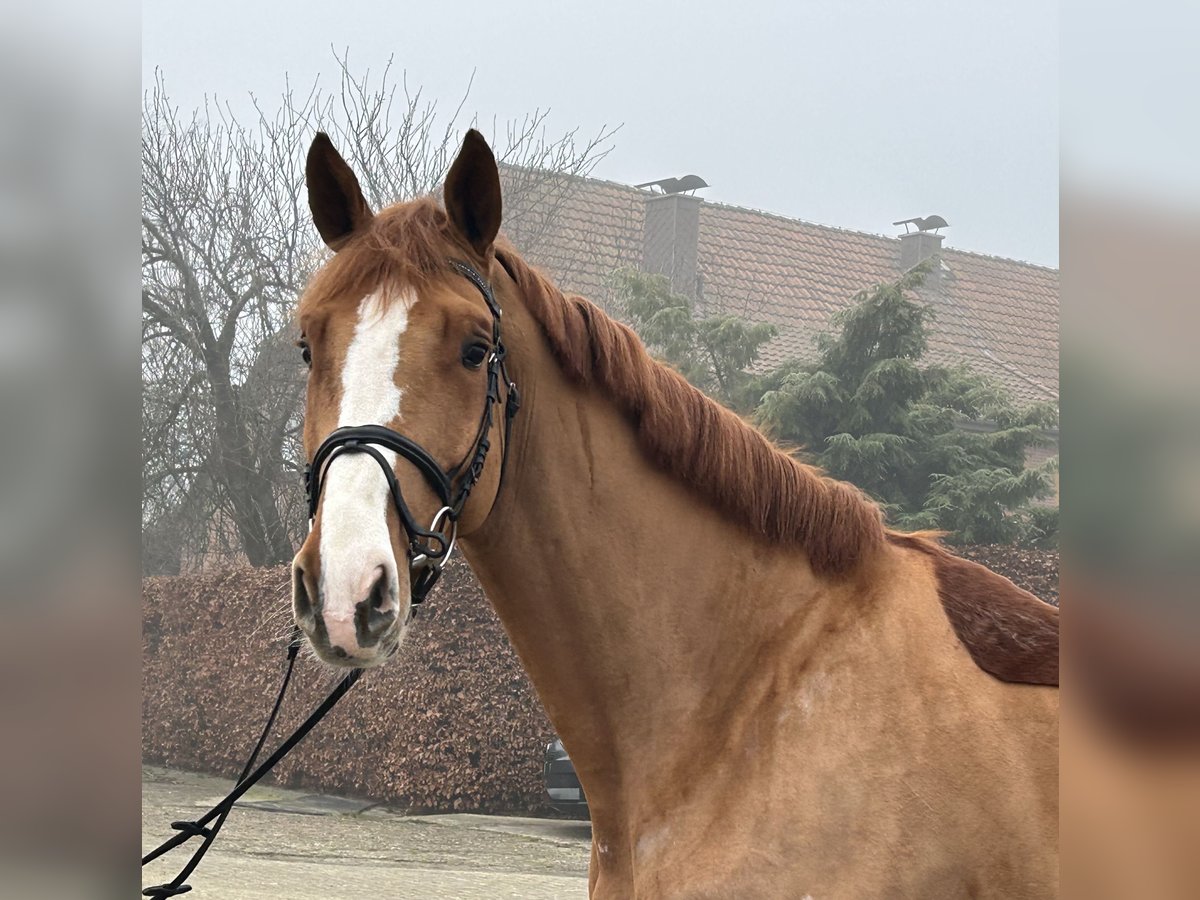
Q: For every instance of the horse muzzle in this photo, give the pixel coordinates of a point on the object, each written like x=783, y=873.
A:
x=351, y=623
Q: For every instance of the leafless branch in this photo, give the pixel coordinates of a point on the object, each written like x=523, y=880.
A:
x=227, y=246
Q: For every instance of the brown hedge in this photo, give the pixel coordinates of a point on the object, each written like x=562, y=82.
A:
x=452, y=724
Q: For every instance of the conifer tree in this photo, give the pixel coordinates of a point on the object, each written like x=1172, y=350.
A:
x=941, y=447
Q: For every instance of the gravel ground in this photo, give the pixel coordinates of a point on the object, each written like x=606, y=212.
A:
x=280, y=843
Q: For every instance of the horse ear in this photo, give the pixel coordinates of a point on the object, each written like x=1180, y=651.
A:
x=336, y=200
x=472, y=193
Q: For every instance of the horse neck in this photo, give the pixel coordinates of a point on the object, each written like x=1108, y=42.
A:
x=635, y=608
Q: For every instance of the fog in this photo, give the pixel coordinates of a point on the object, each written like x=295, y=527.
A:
x=852, y=115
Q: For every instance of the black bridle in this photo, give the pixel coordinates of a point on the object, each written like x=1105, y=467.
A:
x=428, y=548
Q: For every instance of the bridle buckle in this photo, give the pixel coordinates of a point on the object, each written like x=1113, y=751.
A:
x=426, y=559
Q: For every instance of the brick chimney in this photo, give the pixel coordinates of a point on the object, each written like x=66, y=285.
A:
x=672, y=232
x=918, y=246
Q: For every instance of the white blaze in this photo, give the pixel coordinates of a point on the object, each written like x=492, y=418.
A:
x=354, y=499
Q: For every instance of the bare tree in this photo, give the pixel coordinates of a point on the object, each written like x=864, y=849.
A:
x=227, y=246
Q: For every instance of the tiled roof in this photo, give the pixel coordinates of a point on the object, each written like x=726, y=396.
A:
x=1000, y=315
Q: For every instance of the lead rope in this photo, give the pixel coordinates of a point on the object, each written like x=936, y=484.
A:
x=217, y=815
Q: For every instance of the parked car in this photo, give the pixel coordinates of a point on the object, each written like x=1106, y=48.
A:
x=562, y=784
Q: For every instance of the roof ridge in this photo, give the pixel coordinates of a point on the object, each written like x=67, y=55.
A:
x=627, y=188
x=798, y=221
x=872, y=234
x=1008, y=259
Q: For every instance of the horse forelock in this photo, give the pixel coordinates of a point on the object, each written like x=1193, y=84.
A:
x=405, y=246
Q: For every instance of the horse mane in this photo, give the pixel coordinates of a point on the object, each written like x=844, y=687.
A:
x=1008, y=632
x=698, y=440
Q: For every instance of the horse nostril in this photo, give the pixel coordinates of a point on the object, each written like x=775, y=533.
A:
x=300, y=596
x=376, y=615
x=380, y=596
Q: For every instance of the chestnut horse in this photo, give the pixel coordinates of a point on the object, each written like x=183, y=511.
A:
x=765, y=692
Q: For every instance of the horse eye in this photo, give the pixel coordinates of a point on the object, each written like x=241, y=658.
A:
x=474, y=355
x=306, y=353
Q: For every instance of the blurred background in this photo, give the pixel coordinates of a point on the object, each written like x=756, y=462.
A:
x=850, y=117
x=69, y=402
x=1131, y=529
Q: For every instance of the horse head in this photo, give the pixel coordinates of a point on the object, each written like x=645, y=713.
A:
x=407, y=395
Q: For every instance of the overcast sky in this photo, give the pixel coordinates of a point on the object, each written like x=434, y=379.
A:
x=852, y=114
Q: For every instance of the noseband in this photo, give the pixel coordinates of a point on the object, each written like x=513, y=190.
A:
x=428, y=548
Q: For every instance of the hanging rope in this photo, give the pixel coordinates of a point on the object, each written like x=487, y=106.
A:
x=209, y=824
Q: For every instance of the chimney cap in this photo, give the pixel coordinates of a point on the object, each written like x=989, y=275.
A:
x=676, y=185
x=929, y=223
